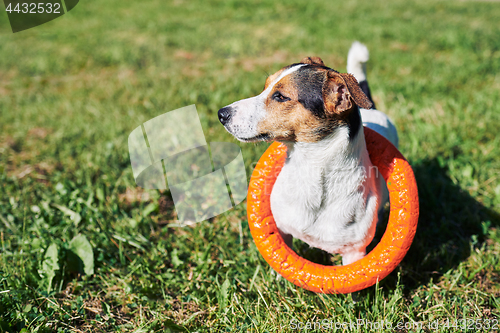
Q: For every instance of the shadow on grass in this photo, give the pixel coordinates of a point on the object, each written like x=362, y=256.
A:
x=450, y=220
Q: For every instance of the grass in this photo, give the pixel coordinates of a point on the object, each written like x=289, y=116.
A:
x=73, y=89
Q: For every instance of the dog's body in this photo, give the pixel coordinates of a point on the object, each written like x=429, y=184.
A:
x=328, y=193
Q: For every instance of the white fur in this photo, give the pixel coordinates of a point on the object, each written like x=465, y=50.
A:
x=327, y=195
x=356, y=60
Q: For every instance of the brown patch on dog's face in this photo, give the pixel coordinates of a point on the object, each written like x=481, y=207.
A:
x=285, y=116
x=296, y=110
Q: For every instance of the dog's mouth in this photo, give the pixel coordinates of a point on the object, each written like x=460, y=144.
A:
x=260, y=137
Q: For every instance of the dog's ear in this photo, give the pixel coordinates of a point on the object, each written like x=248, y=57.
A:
x=340, y=90
x=312, y=61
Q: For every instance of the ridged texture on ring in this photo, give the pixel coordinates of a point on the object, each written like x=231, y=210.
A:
x=377, y=264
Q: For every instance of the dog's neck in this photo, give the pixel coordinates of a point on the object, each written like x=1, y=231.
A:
x=342, y=150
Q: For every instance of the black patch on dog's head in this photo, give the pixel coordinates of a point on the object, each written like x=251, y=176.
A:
x=310, y=86
x=310, y=80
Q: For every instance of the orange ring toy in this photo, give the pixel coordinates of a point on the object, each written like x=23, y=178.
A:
x=377, y=264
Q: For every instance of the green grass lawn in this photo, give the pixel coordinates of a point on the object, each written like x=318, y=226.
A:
x=73, y=89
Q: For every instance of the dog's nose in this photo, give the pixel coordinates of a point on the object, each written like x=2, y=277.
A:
x=224, y=115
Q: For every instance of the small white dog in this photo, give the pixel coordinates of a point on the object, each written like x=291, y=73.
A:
x=328, y=193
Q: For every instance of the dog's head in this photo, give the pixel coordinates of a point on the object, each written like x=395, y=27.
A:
x=303, y=102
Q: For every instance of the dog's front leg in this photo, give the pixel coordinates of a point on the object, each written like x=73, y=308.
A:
x=353, y=255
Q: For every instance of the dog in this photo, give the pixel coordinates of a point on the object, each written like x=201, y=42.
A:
x=328, y=193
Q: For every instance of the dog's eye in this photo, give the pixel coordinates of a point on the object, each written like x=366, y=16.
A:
x=278, y=97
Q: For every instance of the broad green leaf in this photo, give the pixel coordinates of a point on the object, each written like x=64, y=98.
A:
x=82, y=248
x=50, y=265
x=27, y=308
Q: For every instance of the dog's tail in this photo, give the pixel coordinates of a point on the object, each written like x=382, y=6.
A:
x=356, y=65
